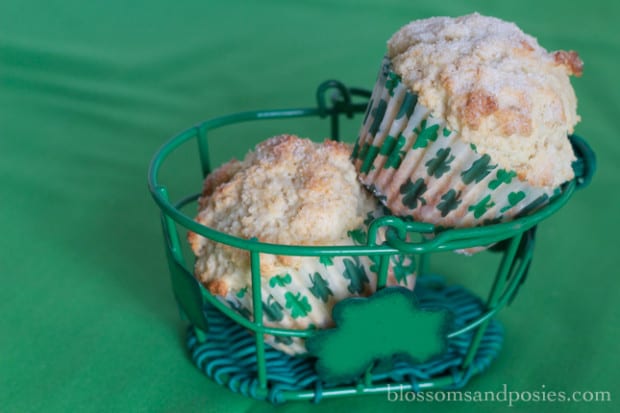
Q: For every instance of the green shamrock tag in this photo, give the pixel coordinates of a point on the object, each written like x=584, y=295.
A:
x=374, y=331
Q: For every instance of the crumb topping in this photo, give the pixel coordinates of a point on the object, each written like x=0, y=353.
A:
x=288, y=191
x=497, y=87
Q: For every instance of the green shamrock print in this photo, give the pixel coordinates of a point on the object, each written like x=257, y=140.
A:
x=392, y=82
x=355, y=273
x=440, y=164
x=377, y=116
x=513, y=199
x=369, y=159
x=426, y=135
x=408, y=105
x=481, y=207
x=298, y=304
x=478, y=170
x=326, y=260
x=404, y=266
x=272, y=309
x=502, y=177
x=239, y=308
x=280, y=280
x=358, y=235
x=413, y=192
x=320, y=287
x=392, y=148
x=449, y=202
x=242, y=292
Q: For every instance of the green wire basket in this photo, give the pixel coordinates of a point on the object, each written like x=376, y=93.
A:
x=230, y=347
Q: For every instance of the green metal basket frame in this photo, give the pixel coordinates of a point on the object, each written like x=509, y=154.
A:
x=515, y=240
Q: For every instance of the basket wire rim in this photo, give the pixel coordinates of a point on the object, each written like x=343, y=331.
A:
x=449, y=239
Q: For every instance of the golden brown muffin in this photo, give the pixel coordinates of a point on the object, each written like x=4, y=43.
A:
x=296, y=192
x=468, y=122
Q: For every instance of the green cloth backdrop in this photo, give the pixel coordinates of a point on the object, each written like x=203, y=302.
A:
x=88, y=92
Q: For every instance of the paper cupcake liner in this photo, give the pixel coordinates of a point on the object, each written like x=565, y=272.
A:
x=302, y=296
x=419, y=168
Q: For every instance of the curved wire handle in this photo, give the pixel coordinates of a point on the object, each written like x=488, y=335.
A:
x=342, y=103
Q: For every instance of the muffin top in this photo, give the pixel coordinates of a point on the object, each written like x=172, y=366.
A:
x=497, y=87
x=288, y=191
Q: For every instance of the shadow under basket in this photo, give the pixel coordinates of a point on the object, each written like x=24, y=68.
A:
x=230, y=347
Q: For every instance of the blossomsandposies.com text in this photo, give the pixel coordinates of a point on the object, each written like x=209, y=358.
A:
x=503, y=395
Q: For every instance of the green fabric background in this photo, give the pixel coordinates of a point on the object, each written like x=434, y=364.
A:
x=88, y=92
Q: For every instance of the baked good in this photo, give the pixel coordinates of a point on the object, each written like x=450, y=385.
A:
x=468, y=122
x=296, y=192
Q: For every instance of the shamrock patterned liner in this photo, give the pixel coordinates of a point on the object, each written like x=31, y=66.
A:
x=303, y=296
x=418, y=167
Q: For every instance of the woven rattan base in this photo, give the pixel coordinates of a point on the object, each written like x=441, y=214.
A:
x=228, y=355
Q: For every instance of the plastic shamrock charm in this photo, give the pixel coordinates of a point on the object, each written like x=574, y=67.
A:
x=374, y=331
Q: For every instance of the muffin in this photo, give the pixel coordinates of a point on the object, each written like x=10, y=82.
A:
x=468, y=122
x=296, y=192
